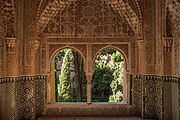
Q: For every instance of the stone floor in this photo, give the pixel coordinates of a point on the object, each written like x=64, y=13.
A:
x=90, y=118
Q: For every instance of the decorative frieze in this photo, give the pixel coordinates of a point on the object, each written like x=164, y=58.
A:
x=22, y=78
x=172, y=79
x=7, y=80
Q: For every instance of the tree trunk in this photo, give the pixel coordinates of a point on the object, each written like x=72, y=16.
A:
x=82, y=79
x=102, y=94
x=77, y=76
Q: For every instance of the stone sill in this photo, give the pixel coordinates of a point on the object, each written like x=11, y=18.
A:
x=84, y=104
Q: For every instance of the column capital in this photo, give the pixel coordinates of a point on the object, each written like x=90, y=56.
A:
x=140, y=42
x=36, y=44
x=10, y=42
x=168, y=41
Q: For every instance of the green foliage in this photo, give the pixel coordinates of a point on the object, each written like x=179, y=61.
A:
x=56, y=79
x=103, y=77
x=59, y=56
x=118, y=97
x=116, y=57
x=99, y=99
x=64, y=86
x=117, y=84
x=108, y=51
x=108, y=74
x=108, y=77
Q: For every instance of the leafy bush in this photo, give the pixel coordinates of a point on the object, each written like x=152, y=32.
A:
x=117, y=83
x=103, y=77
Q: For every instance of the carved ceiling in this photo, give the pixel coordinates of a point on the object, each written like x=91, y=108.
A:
x=130, y=10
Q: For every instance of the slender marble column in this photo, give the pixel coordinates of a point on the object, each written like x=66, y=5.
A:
x=89, y=78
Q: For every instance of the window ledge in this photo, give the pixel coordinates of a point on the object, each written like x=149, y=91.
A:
x=84, y=104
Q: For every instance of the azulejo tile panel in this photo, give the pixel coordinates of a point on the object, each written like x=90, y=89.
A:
x=39, y=95
x=24, y=97
x=160, y=98
x=7, y=99
x=153, y=97
x=30, y=96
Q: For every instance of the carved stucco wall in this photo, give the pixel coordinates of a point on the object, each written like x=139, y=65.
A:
x=150, y=36
x=36, y=61
x=30, y=35
x=173, y=11
x=158, y=37
x=1, y=57
x=78, y=27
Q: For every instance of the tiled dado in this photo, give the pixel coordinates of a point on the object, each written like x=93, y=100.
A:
x=28, y=96
x=30, y=92
x=7, y=99
x=151, y=96
x=160, y=96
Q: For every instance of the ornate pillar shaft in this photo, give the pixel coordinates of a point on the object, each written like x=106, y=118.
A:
x=168, y=41
x=89, y=78
x=10, y=50
x=140, y=56
x=89, y=72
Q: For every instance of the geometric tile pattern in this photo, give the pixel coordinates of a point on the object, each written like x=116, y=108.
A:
x=151, y=99
x=40, y=95
x=151, y=96
x=137, y=95
x=24, y=97
x=170, y=98
x=175, y=102
x=7, y=103
x=167, y=100
x=160, y=98
x=30, y=94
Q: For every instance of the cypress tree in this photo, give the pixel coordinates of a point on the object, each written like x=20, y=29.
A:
x=64, y=87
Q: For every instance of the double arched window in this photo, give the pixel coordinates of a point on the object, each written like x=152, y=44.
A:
x=68, y=78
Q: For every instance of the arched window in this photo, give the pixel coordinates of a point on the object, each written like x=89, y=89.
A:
x=109, y=83
x=70, y=79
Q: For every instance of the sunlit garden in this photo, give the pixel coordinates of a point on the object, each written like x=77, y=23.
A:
x=107, y=81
